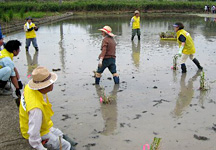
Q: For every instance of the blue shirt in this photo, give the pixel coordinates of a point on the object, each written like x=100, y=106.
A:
x=7, y=62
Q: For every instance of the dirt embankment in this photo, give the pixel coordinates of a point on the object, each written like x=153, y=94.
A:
x=16, y=25
x=10, y=136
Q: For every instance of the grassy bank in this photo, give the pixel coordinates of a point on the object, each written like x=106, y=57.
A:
x=20, y=10
x=104, y=5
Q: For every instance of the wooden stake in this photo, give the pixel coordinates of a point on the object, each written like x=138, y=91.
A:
x=60, y=142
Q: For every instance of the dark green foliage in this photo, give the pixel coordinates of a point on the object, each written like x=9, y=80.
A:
x=21, y=13
x=5, y=18
x=10, y=14
x=104, y=5
x=1, y=14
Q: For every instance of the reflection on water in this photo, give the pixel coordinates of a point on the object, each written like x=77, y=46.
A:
x=32, y=63
x=186, y=94
x=109, y=111
x=202, y=97
x=136, y=53
x=174, y=76
x=73, y=46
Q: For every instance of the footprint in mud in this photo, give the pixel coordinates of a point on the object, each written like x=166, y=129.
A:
x=65, y=117
x=203, y=138
x=95, y=137
x=128, y=141
x=109, y=78
x=89, y=145
x=214, y=127
x=122, y=125
x=137, y=116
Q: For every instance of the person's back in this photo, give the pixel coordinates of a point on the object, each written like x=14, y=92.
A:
x=111, y=47
x=35, y=113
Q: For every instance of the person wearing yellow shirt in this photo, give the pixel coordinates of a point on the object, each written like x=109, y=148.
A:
x=35, y=112
x=8, y=69
x=30, y=29
x=135, y=24
x=186, y=46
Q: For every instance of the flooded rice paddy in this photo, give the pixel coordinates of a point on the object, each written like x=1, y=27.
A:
x=151, y=101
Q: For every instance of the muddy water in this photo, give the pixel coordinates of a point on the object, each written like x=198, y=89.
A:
x=152, y=99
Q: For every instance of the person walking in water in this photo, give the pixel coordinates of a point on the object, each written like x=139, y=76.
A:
x=186, y=46
x=135, y=24
x=30, y=29
x=107, y=57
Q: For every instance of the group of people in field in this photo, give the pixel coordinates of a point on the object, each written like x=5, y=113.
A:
x=212, y=10
x=35, y=110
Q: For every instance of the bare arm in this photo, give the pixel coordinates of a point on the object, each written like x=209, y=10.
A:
x=15, y=82
x=17, y=73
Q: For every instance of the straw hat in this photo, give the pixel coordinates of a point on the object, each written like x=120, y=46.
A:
x=136, y=12
x=107, y=30
x=42, y=78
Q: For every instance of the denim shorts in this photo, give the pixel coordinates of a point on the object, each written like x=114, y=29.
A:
x=107, y=63
x=136, y=31
x=33, y=40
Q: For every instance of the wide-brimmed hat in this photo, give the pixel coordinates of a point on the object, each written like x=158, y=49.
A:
x=42, y=78
x=136, y=12
x=107, y=30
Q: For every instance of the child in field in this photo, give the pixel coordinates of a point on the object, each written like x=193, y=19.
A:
x=30, y=29
x=135, y=24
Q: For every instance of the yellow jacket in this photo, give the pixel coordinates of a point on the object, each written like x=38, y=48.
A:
x=34, y=99
x=5, y=53
x=30, y=34
x=189, y=47
x=136, y=22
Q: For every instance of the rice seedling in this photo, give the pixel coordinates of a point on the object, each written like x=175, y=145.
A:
x=155, y=144
x=168, y=34
x=104, y=99
x=175, y=62
x=203, y=85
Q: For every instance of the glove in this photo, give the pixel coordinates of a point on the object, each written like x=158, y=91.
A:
x=30, y=29
x=18, y=93
x=100, y=63
x=180, y=51
x=36, y=28
x=20, y=84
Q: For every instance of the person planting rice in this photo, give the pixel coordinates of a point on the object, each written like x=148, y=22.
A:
x=186, y=46
x=135, y=24
x=107, y=57
x=35, y=114
x=8, y=71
